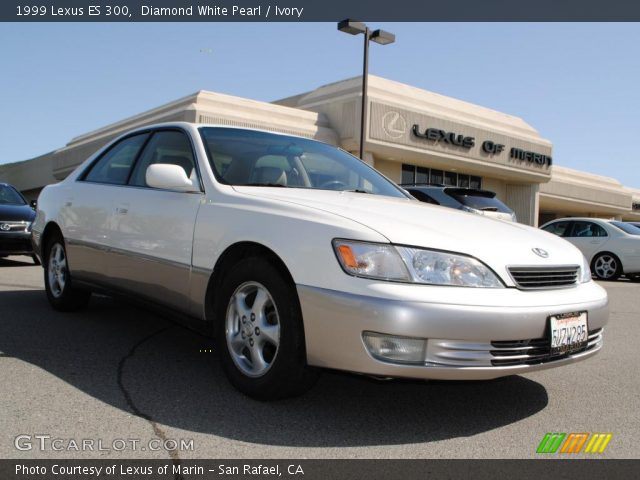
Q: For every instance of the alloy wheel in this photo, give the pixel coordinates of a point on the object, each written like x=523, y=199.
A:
x=252, y=329
x=57, y=270
x=606, y=266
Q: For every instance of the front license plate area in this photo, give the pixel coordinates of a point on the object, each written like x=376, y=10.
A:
x=569, y=332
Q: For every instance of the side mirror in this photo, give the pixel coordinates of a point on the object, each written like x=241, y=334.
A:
x=34, y=204
x=168, y=176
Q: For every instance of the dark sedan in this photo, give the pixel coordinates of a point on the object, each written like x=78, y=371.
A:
x=16, y=217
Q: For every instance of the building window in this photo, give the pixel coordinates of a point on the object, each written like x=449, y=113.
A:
x=451, y=179
x=422, y=175
x=408, y=174
x=412, y=174
x=475, y=182
x=437, y=176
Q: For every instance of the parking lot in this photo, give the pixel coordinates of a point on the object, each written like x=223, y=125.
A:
x=116, y=371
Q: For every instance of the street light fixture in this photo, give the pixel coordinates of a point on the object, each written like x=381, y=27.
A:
x=379, y=36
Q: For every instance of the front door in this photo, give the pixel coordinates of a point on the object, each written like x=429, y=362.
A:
x=152, y=229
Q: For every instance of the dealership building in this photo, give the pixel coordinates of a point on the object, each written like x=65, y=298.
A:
x=412, y=135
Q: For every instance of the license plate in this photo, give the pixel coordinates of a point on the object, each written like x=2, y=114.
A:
x=569, y=332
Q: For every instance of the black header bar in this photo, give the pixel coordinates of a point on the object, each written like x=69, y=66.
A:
x=318, y=10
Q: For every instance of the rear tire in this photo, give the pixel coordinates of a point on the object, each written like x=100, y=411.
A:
x=259, y=332
x=62, y=295
x=606, y=266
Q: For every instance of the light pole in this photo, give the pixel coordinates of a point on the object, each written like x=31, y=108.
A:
x=378, y=36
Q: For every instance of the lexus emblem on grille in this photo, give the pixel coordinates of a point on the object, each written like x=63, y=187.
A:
x=5, y=226
x=540, y=252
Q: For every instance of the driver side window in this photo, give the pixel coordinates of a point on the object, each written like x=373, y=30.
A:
x=168, y=147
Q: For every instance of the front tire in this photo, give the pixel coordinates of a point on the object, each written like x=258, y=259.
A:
x=259, y=332
x=62, y=295
x=606, y=266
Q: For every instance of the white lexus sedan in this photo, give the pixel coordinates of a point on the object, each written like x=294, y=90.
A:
x=612, y=247
x=296, y=255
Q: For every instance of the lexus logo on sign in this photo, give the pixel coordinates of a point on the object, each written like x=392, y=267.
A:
x=540, y=252
x=4, y=226
x=394, y=124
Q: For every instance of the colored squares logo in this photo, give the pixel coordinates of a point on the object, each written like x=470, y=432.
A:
x=574, y=443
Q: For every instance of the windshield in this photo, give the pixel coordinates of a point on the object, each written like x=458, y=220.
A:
x=627, y=227
x=8, y=196
x=478, y=199
x=246, y=157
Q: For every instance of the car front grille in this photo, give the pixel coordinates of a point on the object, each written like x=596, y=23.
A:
x=531, y=278
x=507, y=353
x=12, y=226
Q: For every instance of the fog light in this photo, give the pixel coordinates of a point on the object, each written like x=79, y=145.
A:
x=395, y=349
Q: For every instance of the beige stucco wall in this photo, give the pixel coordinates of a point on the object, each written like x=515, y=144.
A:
x=390, y=169
x=572, y=192
x=395, y=107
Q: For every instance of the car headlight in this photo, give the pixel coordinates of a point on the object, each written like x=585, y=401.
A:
x=415, y=265
x=371, y=260
x=585, y=271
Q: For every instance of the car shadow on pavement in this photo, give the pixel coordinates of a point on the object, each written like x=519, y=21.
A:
x=138, y=361
x=12, y=262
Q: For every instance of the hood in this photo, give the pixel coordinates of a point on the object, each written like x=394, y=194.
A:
x=498, y=243
x=16, y=213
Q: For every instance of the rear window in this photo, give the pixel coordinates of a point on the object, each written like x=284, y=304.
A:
x=478, y=199
x=627, y=228
x=434, y=195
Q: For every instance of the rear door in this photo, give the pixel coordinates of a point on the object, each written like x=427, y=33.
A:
x=87, y=207
x=588, y=236
x=152, y=229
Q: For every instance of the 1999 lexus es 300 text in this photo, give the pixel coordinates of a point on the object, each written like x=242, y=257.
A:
x=295, y=255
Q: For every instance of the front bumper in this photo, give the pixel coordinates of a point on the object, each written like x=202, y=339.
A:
x=465, y=342
x=15, y=243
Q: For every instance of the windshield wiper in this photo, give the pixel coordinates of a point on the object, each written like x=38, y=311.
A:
x=263, y=185
x=356, y=190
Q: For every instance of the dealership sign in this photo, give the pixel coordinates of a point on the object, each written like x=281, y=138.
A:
x=428, y=131
x=488, y=146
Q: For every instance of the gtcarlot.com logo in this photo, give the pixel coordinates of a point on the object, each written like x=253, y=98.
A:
x=574, y=443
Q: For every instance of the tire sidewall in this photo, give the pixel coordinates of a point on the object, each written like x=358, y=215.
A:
x=290, y=359
x=55, y=301
x=618, y=271
x=71, y=298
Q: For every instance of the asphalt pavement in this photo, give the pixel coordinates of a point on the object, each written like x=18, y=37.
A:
x=128, y=380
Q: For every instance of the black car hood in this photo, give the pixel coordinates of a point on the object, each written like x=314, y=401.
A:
x=16, y=213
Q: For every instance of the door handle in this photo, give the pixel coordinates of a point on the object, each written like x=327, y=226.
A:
x=595, y=242
x=68, y=202
x=122, y=209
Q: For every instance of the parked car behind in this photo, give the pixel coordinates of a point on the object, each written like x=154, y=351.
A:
x=296, y=255
x=16, y=217
x=612, y=247
x=483, y=202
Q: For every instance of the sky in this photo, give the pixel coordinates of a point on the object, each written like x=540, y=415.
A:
x=577, y=84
